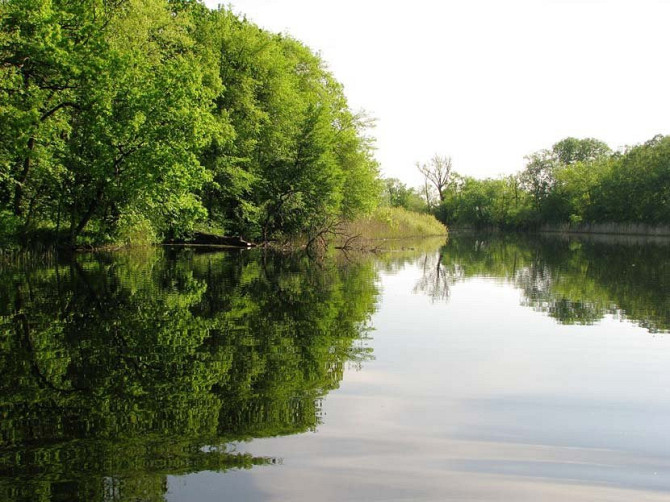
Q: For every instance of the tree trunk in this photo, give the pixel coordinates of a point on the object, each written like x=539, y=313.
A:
x=92, y=207
x=18, y=188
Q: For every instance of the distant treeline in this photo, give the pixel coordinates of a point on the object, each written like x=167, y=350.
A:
x=137, y=119
x=576, y=182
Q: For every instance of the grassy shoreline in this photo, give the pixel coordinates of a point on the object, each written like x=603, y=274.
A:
x=395, y=223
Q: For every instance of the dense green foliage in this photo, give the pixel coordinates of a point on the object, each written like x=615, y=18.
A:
x=157, y=114
x=395, y=193
x=577, y=181
x=123, y=369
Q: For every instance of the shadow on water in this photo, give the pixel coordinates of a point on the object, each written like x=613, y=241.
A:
x=121, y=369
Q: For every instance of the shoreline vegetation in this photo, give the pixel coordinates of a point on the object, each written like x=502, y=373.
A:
x=366, y=233
x=137, y=123
x=578, y=186
x=141, y=122
x=376, y=232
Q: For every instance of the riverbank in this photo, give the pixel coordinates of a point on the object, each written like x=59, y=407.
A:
x=631, y=229
x=395, y=223
x=365, y=232
x=608, y=229
x=383, y=223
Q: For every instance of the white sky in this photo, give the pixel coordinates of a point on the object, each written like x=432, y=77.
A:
x=485, y=81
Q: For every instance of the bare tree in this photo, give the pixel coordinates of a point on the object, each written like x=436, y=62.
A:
x=429, y=194
x=437, y=172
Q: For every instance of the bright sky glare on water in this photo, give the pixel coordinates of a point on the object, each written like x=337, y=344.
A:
x=487, y=82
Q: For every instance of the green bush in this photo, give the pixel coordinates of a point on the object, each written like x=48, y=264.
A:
x=135, y=229
x=9, y=229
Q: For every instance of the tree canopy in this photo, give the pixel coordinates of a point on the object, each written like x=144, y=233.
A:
x=165, y=114
x=576, y=181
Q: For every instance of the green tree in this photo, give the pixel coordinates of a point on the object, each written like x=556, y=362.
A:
x=143, y=120
x=398, y=194
x=159, y=114
x=49, y=49
x=549, y=178
x=299, y=157
x=470, y=202
x=571, y=150
x=636, y=189
x=539, y=176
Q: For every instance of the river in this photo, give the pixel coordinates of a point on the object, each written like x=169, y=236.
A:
x=481, y=368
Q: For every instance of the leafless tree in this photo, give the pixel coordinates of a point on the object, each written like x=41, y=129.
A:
x=429, y=194
x=437, y=171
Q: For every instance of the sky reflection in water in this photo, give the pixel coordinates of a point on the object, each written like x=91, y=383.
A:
x=492, y=369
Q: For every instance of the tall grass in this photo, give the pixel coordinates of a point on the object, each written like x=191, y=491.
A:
x=395, y=223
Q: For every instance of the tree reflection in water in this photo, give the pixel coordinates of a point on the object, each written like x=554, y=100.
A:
x=574, y=280
x=437, y=277
x=119, y=370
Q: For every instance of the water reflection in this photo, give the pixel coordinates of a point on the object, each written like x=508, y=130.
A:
x=121, y=369
x=437, y=276
x=574, y=280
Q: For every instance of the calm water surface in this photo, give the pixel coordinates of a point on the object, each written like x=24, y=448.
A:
x=486, y=368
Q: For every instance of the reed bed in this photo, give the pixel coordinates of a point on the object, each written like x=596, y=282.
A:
x=395, y=223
